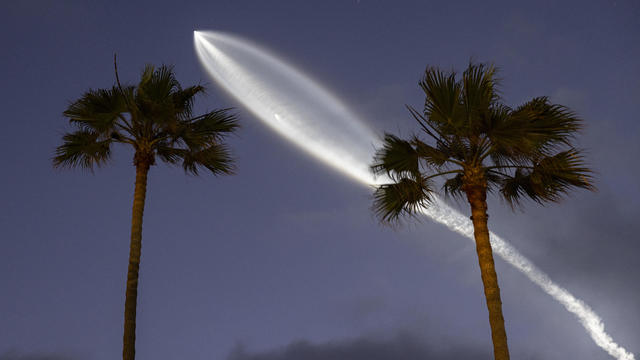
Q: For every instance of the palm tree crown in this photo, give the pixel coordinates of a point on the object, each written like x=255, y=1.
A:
x=155, y=118
x=481, y=145
x=524, y=152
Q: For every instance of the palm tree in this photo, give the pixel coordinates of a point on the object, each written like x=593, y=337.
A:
x=480, y=145
x=155, y=118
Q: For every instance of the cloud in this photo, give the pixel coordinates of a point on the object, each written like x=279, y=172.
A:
x=400, y=347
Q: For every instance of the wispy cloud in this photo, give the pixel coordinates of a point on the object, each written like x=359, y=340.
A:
x=401, y=346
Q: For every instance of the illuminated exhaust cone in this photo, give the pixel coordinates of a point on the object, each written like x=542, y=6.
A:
x=290, y=103
x=308, y=115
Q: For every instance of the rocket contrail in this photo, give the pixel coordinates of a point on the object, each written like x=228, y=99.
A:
x=308, y=115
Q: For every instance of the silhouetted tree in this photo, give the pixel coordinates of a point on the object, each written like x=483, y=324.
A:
x=155, y=118
x=481, y=145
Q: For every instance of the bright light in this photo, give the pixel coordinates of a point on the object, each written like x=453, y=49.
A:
x=299, y=109
x=289, y=102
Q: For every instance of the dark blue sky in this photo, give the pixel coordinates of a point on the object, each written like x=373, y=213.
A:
x=246, y=267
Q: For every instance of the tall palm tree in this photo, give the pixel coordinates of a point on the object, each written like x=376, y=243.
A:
x=480, y=145
x=155, y=118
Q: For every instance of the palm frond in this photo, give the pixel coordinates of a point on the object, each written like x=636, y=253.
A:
x=442, y=107
x=216, y=124
x=533, y=129
x=480, y=93
x=396, y=158
x=494, y=179
x=97, y=110
x=154, y=96
x=453, y=187
x=216, y=158
x=497, y=114
x=457, y=147
x=205, y=130
x=549, y=179
x=404, y=197
x=84, y=149
x=183, y=100
x=146, y=75
x=432, y=157
x=168, y=153
x=424, y=124
x=157, y=83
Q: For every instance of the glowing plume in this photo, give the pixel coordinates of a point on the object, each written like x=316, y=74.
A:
x=302, y=111
x=289, y=102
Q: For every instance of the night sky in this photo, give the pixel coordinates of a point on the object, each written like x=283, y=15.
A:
x=285, y=260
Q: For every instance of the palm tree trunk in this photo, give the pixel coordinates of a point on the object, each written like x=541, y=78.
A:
x=477, y=197
x=129, y=340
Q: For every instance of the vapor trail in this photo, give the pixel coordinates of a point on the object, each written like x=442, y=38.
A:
x=308, y=115
x=455, y=221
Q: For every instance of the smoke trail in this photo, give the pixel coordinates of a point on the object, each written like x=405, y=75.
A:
x=308, y=115
x=455, y=221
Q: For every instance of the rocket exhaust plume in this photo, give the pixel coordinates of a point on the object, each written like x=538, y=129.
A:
x=305, y=113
